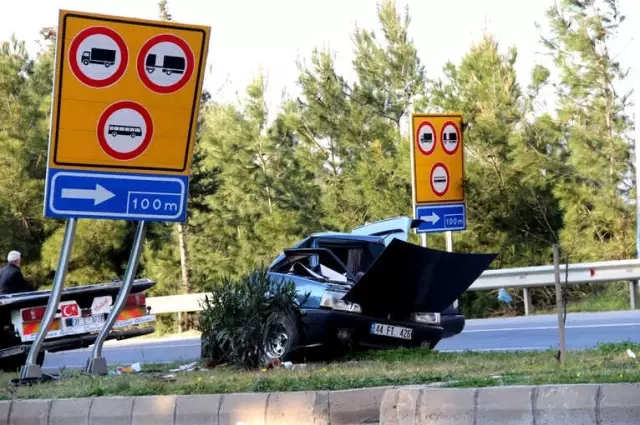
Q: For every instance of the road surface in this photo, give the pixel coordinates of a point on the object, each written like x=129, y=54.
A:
x=584, y=330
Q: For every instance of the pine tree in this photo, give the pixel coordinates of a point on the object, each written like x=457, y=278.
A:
x=594, y=191
x=25, y=94
x=507, y=212
x=265, y=198
x=365, y=170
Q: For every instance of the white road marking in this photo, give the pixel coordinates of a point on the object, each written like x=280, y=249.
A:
x=546, y=328
x=494, y=349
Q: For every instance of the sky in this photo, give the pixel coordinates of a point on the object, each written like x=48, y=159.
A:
x=251, y=35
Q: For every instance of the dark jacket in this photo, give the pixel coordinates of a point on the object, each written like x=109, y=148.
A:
x=12, y=281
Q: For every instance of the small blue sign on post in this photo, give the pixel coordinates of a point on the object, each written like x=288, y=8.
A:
x=441, y=218
x=122, y=196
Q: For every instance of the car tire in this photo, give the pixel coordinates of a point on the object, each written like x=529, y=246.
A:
x=281, y=339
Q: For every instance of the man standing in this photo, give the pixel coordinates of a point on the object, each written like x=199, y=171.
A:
x=11, y=279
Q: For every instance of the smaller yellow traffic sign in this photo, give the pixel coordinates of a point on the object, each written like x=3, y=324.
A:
x=438, y=158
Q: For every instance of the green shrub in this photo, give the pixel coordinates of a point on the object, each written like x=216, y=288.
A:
x=237, y=314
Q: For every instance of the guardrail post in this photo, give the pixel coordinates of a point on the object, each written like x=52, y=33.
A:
x=32, y=370
x=633, y=294
x=96, y=364
x=526, y=296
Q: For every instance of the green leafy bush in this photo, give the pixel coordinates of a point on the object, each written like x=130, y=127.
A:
x=237, y=315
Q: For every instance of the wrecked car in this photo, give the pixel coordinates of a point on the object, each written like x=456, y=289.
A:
x=371, y=288
x=80, y=316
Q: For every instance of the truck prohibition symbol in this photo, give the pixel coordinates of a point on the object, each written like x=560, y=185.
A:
x=170, y=64
x=106, y=57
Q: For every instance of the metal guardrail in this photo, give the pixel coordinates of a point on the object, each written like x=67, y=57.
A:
x=520, y=278
x=531, y=277
x=175, y=303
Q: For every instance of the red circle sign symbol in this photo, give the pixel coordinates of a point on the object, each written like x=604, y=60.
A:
x=165, y=63
x=426, y=138
x=450, y=137
x=125, y=130
x=439, y=179
x=98, y=57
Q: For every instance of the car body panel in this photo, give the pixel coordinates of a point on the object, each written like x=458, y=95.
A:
x=389, y=229
x=408, y=277
x=327, y=326
x=308, y=292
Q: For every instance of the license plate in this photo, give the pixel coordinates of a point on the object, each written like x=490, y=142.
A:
x=391, y=331
x=72, y=322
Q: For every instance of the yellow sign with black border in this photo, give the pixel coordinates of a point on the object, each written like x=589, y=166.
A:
x=127, y=94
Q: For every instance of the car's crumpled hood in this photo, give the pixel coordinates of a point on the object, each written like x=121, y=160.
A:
x=409, y=278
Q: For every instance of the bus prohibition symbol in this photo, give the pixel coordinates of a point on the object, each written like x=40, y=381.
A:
x=125, y=130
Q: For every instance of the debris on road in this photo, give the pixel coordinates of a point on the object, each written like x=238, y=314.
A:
x=134, y=368
x=167, y=378
x=185, y=368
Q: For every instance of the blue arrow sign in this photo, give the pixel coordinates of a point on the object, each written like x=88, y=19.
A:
x=115, y=196
x=441, y=218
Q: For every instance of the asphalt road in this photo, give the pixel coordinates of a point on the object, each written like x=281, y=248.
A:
x=583, y=330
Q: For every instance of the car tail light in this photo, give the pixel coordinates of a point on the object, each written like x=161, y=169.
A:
x=33, y=314
x=136, y=300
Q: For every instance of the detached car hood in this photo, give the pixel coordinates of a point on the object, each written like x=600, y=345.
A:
x=409, y=278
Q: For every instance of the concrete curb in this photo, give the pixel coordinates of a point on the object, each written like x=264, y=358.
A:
x=582, y=404
x=349, y=407
x=416, y=405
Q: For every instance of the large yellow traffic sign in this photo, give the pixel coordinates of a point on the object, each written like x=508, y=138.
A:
x=127, y=94
x=438, y=158
x=124, y=111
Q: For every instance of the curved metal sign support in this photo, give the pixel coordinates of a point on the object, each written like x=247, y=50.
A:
x=32, y=370
x=96, y=364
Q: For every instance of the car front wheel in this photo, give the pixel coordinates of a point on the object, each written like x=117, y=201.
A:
x=281, y=339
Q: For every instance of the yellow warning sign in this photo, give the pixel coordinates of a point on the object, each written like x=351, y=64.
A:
x=438, y=158
x=127, y=93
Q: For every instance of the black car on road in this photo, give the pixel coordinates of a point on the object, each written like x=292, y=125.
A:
x=371, y=288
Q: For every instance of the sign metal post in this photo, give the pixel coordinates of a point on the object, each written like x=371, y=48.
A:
x=31, y=369
x=125, y=105
x=96, y=364
x=437, y=175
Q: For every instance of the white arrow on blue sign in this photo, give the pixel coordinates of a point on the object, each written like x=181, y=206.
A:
x=99, y=194
x=441, y=218
x=116, y=196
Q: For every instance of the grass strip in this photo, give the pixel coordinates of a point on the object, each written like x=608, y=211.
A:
x=608, y=363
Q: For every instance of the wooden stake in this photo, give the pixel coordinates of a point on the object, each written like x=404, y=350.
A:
x=559, y=303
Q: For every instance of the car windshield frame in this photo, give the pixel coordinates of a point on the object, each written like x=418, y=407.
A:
x=326, y=259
